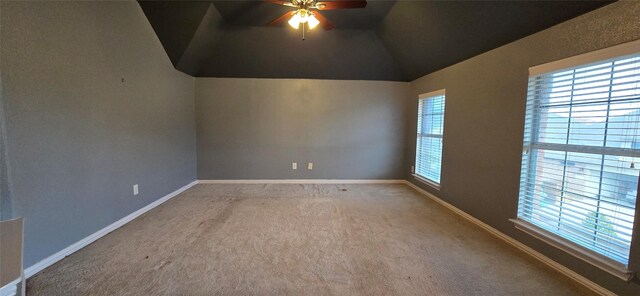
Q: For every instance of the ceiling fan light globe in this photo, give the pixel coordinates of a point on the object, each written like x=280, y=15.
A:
x=313, y=22
x=303, y=15
x=294, y=22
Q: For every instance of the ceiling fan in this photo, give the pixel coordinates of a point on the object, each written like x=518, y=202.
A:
x=307, y=13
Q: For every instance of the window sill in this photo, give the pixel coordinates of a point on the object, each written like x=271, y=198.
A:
x=611, y=266
x=426, y=181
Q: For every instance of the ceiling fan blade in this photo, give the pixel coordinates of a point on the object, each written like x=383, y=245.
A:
x=277, y=2
x=326, y=5
x=324, y=22
x=281, y=19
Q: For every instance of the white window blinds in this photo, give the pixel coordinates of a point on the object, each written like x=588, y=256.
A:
x=429, y=138
x=581, y=155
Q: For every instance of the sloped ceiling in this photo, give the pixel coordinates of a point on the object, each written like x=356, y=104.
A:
x=387, y=40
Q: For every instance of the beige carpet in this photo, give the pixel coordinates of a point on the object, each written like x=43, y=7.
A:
x=300, y=240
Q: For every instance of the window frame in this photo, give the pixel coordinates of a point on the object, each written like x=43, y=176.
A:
x=424, y=179
x=594, y=258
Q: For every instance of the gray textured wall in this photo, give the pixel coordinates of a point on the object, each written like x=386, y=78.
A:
x=255, y=128
x=484, y=123
x=79, y=137
x=5, y=202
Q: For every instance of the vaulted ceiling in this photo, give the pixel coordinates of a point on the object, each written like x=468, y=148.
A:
x=387, y=40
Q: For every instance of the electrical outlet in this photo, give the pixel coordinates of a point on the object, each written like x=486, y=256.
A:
x=310, y=166
x=413, y=169
x=294, y=165
x=135, y=189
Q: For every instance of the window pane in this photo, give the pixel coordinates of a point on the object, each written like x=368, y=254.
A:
x=580, y=167
x=429, y=138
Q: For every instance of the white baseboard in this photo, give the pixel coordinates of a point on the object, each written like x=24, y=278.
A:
x=303, y=181
x=32, y=270
x=522, y=247
x=10, y=289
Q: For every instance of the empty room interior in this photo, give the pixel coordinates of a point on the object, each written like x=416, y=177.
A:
x=310, y=147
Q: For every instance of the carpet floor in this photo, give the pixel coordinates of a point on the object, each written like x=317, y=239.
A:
x=223, y=239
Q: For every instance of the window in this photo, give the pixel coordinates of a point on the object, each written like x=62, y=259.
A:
x=429, y=138
x=580, y=162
